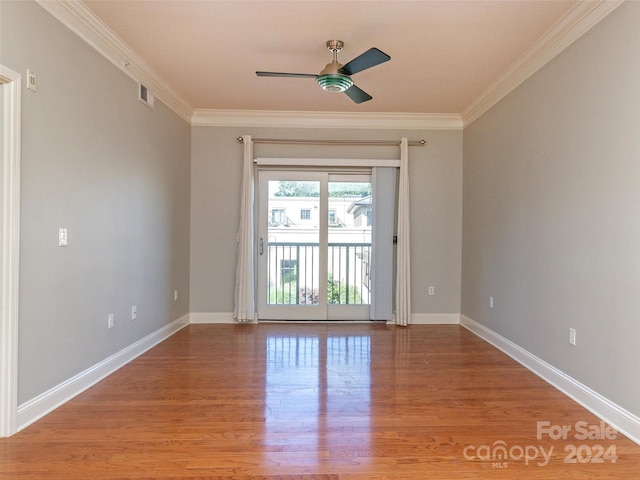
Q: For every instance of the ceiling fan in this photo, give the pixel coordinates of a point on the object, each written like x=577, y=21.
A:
x=337, y=77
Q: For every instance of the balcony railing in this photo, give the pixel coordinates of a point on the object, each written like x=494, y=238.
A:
x=294, y=273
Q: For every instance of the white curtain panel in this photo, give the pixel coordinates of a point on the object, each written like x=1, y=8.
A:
x=383, y=180
x=245, y=307
x=403, y=267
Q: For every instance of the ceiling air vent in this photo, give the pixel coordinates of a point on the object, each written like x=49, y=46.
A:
x=146, y=96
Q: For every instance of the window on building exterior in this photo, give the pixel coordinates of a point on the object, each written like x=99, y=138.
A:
x=288, y=270
x=277, y=216
x=305, y=214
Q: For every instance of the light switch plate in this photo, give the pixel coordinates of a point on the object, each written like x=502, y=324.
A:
x=32, y=83
x=62, y=237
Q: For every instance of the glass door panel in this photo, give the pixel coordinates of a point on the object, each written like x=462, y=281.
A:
x=349, y=246
x=293, y=242
x=290, y=246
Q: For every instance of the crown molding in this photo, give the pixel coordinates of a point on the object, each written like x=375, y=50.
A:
x=567, y=30
x=291, y=119
x=77, y=17
x=82, y=21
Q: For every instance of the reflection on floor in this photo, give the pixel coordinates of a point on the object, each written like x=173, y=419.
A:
x=323, y=401
x=313, y=379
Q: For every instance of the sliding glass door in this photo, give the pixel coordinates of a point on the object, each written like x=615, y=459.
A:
x=314, y=246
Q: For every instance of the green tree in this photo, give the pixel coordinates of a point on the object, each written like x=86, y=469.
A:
x=340, y=189
x=337, y=293
x=297, y=189
x=310, y=189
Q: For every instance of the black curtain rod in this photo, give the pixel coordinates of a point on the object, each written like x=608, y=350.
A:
x=379, y=143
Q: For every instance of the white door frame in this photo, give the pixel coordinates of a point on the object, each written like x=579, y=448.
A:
x=10, y=89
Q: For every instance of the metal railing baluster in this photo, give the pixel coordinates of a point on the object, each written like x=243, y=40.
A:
x=345, y=260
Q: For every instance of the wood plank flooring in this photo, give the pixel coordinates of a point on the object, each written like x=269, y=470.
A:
x=318, y=401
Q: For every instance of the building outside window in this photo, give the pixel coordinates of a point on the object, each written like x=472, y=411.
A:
x=278, y=216
x=288, y=270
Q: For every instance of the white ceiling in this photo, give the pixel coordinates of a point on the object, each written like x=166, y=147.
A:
x=444, y=53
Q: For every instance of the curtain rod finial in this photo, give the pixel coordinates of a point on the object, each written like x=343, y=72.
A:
x=423, y=142
x=240, y=139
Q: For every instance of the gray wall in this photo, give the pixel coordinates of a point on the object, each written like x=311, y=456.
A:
x=436, y=202
x=551, y=223
x=115, y=174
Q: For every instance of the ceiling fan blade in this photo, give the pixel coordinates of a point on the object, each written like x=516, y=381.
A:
x=357, y=95
x=283, y=74
x=368, y=59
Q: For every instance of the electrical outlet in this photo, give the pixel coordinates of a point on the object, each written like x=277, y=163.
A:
x=432, y=290
x=572, y=336
x=134, y=312
x=110, y=321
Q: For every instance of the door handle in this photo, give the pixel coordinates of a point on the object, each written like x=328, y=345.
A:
x=261, y=247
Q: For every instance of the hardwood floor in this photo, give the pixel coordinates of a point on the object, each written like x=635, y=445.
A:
x=323, y=401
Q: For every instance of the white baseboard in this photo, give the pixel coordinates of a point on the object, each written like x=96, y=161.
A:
x=211, y=317
x=622, y=420
x=416, y=318
x=48, y=401
x=435, y=318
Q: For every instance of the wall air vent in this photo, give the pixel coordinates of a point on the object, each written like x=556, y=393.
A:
x=146, y=96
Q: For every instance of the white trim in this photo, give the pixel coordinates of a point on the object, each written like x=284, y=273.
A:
x=357, y=120
x=205, y=318
x=82, y=21
x=431, y=319
x=567, y=30
x=48, y=401
x=9, y=247
x=622, y=420
x=435, y=318
x=200, y=318
x=323, y=322
x=327, y=162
